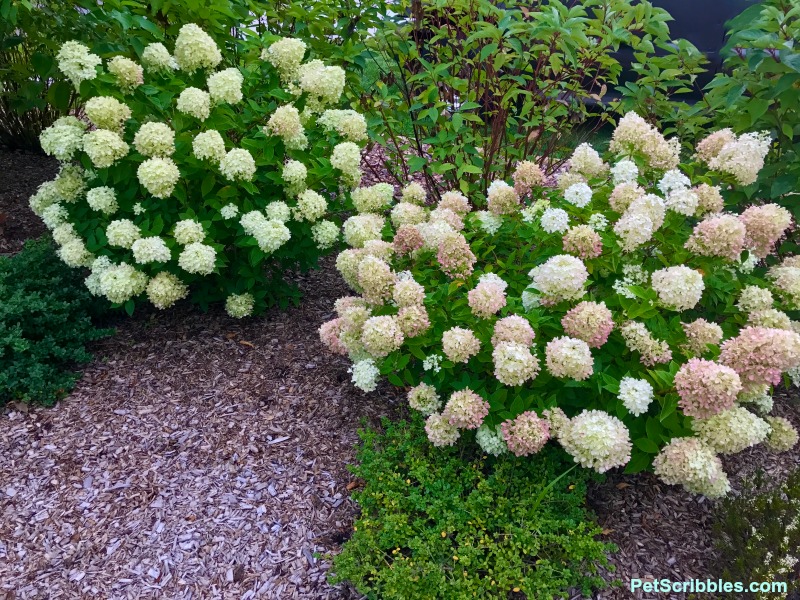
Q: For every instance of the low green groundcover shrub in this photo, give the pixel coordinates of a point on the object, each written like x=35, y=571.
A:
x=758, y=535
x=45, y=323
x=196, y=178
x=659, y=327
x=456, y=525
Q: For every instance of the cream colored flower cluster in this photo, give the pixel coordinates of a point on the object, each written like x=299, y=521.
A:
x=611, y=256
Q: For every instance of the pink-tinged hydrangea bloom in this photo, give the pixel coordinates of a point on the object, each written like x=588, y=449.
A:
x=513, y=329
x=440, y=432
x=562, y=277
x=710, y=146
x=455, y=201
x=465, y=409
x=379, y=249
x=638, y=339
x=732, y=430
x=652, y=207
x=502, y=199
x=597, y=440
x=381, y=336
x=329, y=334
x=569, y=357
x=445, y=215
x=706, y=388
x=347, y=302
x=527, y=176
x=408, y=292
x=689, y=462
x=721, y=236
x=413, y=320
x=586, y=161
x=485, y=299
x=679, y=288
x=709, y=199
x=460, y=344
x=376, y=278
x=407, y=239
x=623, y=195
x=455, y=257
x=514, y=364
x=764, y=226
x=634, y=229
x=701, y=334
x=753, y=298
x=782, y=435
x=527, y=434
x=424, y=399
x=347, y=263
x=742, y=157
x=760, y=355
x=591, y=322
x=351, y=327
x=635, y=136
x=583, y=241
x=787, y=283
x=556, y=419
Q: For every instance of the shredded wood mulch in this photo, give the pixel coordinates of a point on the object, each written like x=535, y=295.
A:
x=204, y=457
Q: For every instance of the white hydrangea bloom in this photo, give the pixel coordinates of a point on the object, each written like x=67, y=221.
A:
x=239, y=306
x=74, y=253
x=194, y=102
x=310, y=206
x=106, y=112
x=238, y=164
x=325, y=234
x=673, y=181
x=63, y=138
x=625, y=171
x=346, y=157
x=491, y=440
x=122, y=233
x=278, y=211
x=197, y=258
x=229, y=211
x=679, y=288
x=209, y=145
x=129, y=74
x=159, y=176
x=270, y=234
x=154, y=139
x=188, y=231
x=555, y=220
x=104, y=147
x=578, y=194
x=286, y=55
x=347, y=123
x=598, y=222
x=324, y=84
x=165, y=289
x=636, y=395
x=119, y=283
x=226, y=86
x=489, y=222
x=195, y=49
x=365, y=375
x=102, y=199
x=150, y=249
x=157, y=58
x=77, y=63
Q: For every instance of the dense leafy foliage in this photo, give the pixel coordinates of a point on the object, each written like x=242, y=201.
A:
x=625, y=281
x=465, y=89
x=199, y=178
x=760, y=90
x=758, y=535
x=453, y=525
x=45, y=323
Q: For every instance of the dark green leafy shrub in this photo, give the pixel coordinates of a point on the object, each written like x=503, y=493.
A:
x=45, y=322
x=758, y=535
x=441, y=523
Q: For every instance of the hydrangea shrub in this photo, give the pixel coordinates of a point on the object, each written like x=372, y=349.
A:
x=190, y=175
x=626, y=314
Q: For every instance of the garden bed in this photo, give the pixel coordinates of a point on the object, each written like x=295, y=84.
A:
x=200, y=456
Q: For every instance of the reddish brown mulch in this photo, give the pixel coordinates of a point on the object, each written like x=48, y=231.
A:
x=21, y=173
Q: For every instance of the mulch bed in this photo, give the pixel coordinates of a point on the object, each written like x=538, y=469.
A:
x=204, y=457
